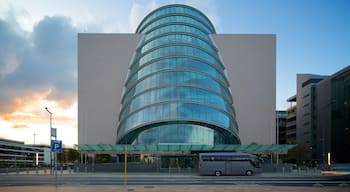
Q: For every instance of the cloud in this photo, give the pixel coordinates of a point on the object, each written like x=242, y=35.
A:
x=29, y=109
x=209, y=8
x=38, y=69
x=19, y=126
x=8, y=64
x=139, y=11
x=12, y=45
x=43, y=61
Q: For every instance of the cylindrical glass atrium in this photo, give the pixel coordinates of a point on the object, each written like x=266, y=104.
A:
x=176, y=91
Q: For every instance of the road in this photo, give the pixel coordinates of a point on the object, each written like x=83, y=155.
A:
x=30, y=180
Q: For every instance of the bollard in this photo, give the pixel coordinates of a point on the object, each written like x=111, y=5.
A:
x=61, y=170
x=27, y=170
x=17, y=171
x=36, y=170
x=283, y=171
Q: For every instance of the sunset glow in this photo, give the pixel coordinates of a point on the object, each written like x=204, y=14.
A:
x=29, y=117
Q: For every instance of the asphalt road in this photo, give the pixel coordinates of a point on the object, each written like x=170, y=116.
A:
x=31, y=180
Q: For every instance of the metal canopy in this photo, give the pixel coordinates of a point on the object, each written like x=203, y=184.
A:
x=179, y=148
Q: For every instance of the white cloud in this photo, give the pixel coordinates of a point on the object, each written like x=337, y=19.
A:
x=10, y=63
x=43, y=61
x=207, y=7
x=138, y=12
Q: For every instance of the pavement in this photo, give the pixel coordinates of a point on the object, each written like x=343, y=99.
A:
x=175, y=173
x=171, y=188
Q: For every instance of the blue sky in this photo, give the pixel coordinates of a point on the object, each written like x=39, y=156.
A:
x=38, y=49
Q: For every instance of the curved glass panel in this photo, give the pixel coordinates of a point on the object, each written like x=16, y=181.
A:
x=171, y=10
x=175, y=19
x=173, y=94
x=189, y=134
x=177, y=38
x=175, y=63
x=177, y=111
x=177, y=91
x=176, y=28
x=176, y=50
x=176, y=78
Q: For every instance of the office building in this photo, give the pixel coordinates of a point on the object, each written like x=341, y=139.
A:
x=291, y=123
x=323, y=114
x=17, y=154
x=333, y=117
x=281, y=124
x=306, y=104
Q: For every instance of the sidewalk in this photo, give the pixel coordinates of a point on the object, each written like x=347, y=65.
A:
x=150, y=174
x=173, y=188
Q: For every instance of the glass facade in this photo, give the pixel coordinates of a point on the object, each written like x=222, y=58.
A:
x=340, y=104
x=176, y=91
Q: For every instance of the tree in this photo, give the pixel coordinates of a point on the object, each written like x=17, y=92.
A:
x=103, y=158
x=73, y=155
x=68, y=155
x=297, y=154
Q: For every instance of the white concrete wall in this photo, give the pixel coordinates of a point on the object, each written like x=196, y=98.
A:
x=250, y=61
x=103, y=62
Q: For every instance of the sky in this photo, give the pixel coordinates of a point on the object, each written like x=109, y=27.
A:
x=38, y=50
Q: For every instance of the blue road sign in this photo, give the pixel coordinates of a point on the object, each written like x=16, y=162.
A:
x=56, y=146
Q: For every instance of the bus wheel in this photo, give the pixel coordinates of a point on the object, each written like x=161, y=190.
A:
x=249, y=173
x=217, y=173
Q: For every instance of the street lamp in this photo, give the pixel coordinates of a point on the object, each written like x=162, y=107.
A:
x=50, y=138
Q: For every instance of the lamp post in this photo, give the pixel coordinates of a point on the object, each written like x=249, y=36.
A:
x=50, y=138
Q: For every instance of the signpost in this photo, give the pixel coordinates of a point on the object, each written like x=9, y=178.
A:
x=56, y=147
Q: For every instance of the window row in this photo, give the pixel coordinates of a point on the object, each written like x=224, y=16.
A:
x=177, y=78
x=177, y=111
x=189, y=134
x=175, y=50
x=177, y=38
x=178, y=28
x=227, y=158
x=172, y=10
x=174, y=93
x=175, y=19
x=174, y=63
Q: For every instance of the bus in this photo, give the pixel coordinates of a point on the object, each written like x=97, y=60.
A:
x=228, y=163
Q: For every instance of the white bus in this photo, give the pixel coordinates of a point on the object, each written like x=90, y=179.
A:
x=228, y=163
